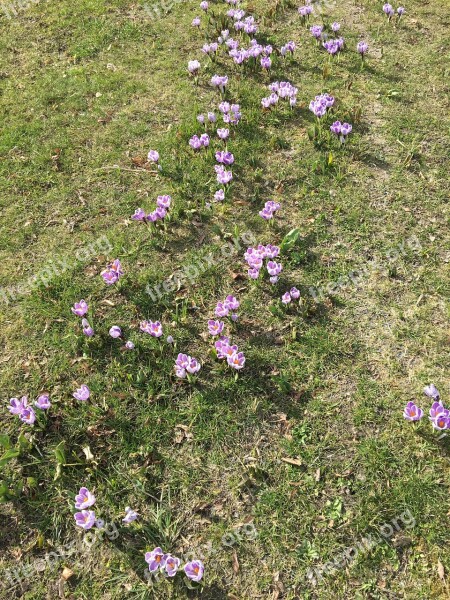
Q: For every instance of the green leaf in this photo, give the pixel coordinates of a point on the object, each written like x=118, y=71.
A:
x=60, y=454
x=290, y=240
x=5, y=441
x=24, y=443
x=9, y=455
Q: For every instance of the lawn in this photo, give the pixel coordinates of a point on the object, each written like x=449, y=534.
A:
x=295, y=477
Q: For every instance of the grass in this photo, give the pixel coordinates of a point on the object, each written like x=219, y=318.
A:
x=307, y=447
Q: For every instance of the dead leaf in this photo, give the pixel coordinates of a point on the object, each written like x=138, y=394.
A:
x=182, y=433
x=88, y=453
x=297, y=462
x=317, y=475
x=235, y=563
x=441, y=571
x=67, y=573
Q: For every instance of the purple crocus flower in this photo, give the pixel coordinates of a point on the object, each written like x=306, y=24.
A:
x=226, y=158
x=266, y=62
x=28, y=416
x=295, y=293
x=172, y=565
x=362, y=48
x=129, y=345
x=43, y=402
x=82, y=393
x=431, y=391
x=412, y=412
x=286, y=298
x=130, y=515
x=80, y=308
x=156, y=559
x=223, y=133
x=139, y=215
x=18, y=406
x=153, y=156
x=169, y=339
x=316, y=31
x=115, y=331
x=152, y=328
x=195, y=142
x=219, y=195
x=87, y=329
x=400, y=11
x=204, y=5
x=85, y=519
x=201, y=119
x=194, y=570
x=215, y=327
x=231, y=303
x=194, y=67
x=219, y=82
x=224, y=177
x=274, y=268
x=164, y=201
x=441, y=421
x=84, y=499
x=346, y=129
x=335, y=26
x=204, y=139
x=193, y=366
x=212, y=117
x=436, y=409
x=237, y=360
x=113, y=272
x=222, y=309
x=196, y=22
x=224, y=107
x=253, y=273
x=388, y=10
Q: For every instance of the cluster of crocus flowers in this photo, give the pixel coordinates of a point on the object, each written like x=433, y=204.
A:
x=84, y=500
x=342, y=130
x=227, y=308
x=186, y=364
x=224, y=349
x=162, y=207
x=280, y=89
x=321, y=104
x=196, y=142
x=316, y=31
x=80, y=309
x=438, y=414
x=159, y=561
x=112, y=273
x=334, y=46
x=24, y=411
x=220, y=82
x=82, y=393
x=231, y=113
x=152, y=328
x=270, y=208
x=305, y=11
x=255, y=260
x=211, y=117
x=293, y=294
x=388, y=11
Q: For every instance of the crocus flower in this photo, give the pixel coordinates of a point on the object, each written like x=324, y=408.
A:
x=18, y=406
x=388, y=10
x=80, y=308
x=129, y=345
x=85, y=519
x=219, y=195
x=266, y=62
x=43, y=402
x=139, y=215
x=193, y=366
x=201, y=119
x=224, y=177
x=194, y=67
x=130, y=515
x=441, y=421
x=336, y=127
x=212, y=117
x=335, y=26
x=87, y=329
x=204, y=5
x=113, y=272
x=194, y=570
x=172, y=565
x=400, y=11
x=223, y=133
x=362, y=48
x=204, y=140
x=431, y=391
x=237, y=361
x=320, y=104
x=84, y=499
x=156, y=559
x=286, y=298
x=316, y=31
x=231, y=303
x=164, y=201
x=152, y=328
x=28, y=416
x=195, y=142
x=412, y=412
x=253, y=273
x=196, y=22
x=169, y=339
x=436, y=409
x=82, y=393
x=274, y=268
x=215, y=327
x=219, y=82
x=225, y=158
x=153, y=156
x=294, y=292
x=115, y=331
x=222, y=309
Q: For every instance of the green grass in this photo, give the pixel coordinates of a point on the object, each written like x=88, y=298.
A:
x=86, y=90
